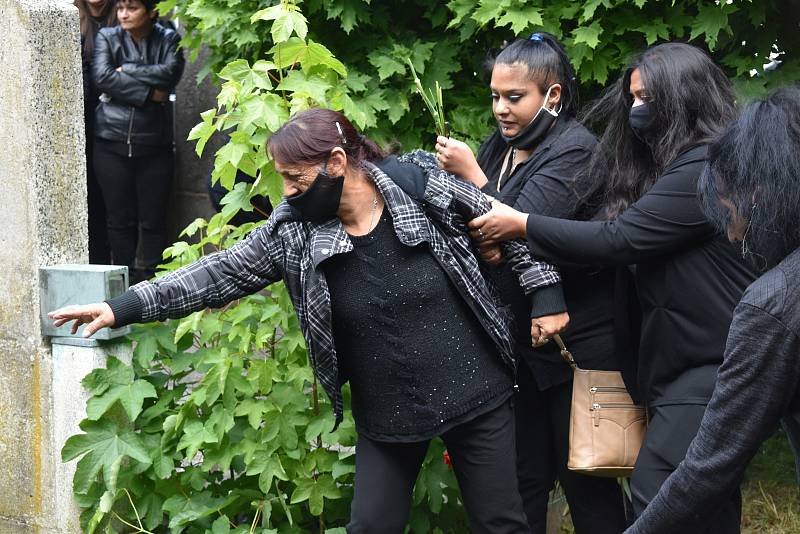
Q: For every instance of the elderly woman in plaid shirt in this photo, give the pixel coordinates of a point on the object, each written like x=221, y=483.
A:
x=391, y=297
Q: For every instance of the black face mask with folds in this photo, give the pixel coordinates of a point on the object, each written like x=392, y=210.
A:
x=320, y=201
x=536, y=130
x=641, y=121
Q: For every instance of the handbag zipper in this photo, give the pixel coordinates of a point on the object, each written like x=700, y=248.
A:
x=607, y=389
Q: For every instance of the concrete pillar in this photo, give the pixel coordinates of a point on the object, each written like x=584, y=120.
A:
x=42, y=222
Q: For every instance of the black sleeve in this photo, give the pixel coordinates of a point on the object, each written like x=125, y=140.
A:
x=757, y=380
x=117, y=85
x=167, y=73
x=551, y=190
x=667, y=218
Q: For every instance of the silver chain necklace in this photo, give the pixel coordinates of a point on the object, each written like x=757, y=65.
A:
x=374, y=209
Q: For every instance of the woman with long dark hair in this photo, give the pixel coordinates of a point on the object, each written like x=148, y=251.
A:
x=533, y=162
x=93, y=15
x=751, y=192
x=669, y=105
x=390, y=297
x=136, y=66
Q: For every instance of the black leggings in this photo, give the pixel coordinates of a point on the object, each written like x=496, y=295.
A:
x=670, y=431
x=595, y=503
x=482, y=452
x=136, y=191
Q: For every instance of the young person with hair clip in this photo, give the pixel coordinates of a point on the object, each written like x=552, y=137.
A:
x=136, y=66
x=534, y=162
x=94, y=15
x=660, y=117
x=751, y=192
x=390, y=297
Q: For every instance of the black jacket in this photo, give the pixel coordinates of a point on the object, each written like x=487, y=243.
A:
x=688, y=278
x=547, y=183
x=758, y=384
x=128, y=115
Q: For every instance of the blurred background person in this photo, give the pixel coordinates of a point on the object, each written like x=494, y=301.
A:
x=136, y=65
x=94, y=15
x=751, y=192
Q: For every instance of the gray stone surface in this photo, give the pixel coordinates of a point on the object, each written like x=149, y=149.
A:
x=43, y=221
x=189, y=197
x=70, y=364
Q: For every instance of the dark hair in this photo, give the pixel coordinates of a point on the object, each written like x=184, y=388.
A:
x=755, y=165
x=547, y=63
x=149, y=5
x=309, y=137
x=692, y=102
x=89, y=25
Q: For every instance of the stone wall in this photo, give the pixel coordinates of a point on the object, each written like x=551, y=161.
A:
x=43, y=221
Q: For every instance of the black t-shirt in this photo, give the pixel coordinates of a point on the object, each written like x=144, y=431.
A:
x=418, y=360
x=549, y=182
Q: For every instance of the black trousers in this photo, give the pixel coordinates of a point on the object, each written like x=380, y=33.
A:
x=136, y=190
x=98, y=235
x=482, y=452
x=670, y=431
x=595, y=503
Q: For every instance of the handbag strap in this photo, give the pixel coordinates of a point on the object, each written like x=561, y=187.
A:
x=565, y=354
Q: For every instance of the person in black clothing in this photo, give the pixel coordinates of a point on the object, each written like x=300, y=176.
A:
x=751, y=192
x=390, y=297
x=663, y=113
x=94, y=15
x=532, y=162
x=136, y=65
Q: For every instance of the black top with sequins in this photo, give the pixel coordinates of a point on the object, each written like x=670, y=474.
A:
x=417, y=359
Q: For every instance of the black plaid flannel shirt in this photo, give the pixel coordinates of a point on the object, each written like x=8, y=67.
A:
x=287, y=249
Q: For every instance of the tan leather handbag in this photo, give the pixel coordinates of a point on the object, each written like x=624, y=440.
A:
x=606, y=428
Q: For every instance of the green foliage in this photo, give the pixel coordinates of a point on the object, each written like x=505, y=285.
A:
x=217, y=425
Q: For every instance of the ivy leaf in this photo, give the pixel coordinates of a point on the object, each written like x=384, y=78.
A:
x=591, y=6
x=221, y=525
x=305, y=86
x=116, y=373
x=589, y=34
x=654, y=31
x=460, y=9
x=315, y=491
x=349, y=12
x=341, y=468
x=386, y=65
x=320, y=424
x=102, y=444
x=195, y=435
x=236, y=70
x=710, y=20
x=184, y=510
x=295, y=50
x=202, y=132
x=489, y=10
x=521, y=17
x=130, y=396
x=288, y=22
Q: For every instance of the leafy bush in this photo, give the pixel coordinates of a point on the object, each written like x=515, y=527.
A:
x=217, y=424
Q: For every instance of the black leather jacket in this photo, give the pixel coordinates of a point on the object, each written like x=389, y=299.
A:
x=125, y=113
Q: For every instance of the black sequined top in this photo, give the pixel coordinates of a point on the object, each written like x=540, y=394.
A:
x=417, y=359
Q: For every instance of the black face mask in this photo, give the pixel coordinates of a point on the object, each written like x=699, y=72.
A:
x=320, y=201
x=641, y=121
x=535, y=131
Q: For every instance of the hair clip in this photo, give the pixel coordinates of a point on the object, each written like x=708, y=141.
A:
x=536, y=37
x=341, y=133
